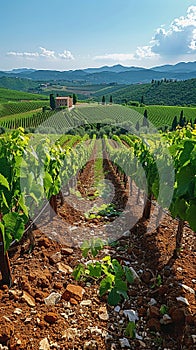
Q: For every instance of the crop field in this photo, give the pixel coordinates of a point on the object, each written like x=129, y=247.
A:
x=106, y=232
x=7, y=95
x=164, y=115
x=159, y=116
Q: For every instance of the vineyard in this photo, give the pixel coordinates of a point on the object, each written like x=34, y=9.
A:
x=102, y=229
x=62, y=121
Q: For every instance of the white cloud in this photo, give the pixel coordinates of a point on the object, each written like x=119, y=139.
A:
x=67, y=55
x=44, y=53
x=115, y=57
x=144, y=52
x=179, y=39
x=23, y=54
x=47, y=53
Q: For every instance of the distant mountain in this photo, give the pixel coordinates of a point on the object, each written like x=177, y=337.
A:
x=181, y=67
x=118, y=68
x=115, y=74
x=21, y=70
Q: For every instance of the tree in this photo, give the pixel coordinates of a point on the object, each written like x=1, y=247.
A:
x=145, y=120
x=174, y=123
x=74, y=99
x=181, y=122
x=142, y=99
x=111, y=99
x=137, y=126
x=103, y=100
x=52, y=102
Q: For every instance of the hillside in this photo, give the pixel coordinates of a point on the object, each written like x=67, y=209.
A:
x=115, y=74
x=7, y=95
x=170, y=93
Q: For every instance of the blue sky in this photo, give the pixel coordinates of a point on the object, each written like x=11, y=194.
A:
x=62, y=34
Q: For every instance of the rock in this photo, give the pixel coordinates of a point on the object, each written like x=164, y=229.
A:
x=3, y=347
x=153, y=312
x=103, y=314
x=15, y=294
x=58, y=285
x=154, y=325
x=90, y=345
x=73, y=291
x=64, y=268
x=17, y=311
x=187, y=288
x=55, y=258
x=135, y=275
x=73, y=301
x=44, y=344
x=50, y=317
x=70, y=333
x=152, y=302
x=124, y=343
x=179, y=269
x=166, y=319
x=132, y=315
x=167, y=271
x=52, y=299
x=40, y=296
x=126, y=234
x=142, y=344
x=28, y=299
x=43, y=242
x=194, y=338
x=183, y=300
x=146, y=277
x=66, y=251
x=43, y=278
x=85, y=303
x=177, y=315
x=6, y=330
x=117, y=308
x=95, y=330
x=138, y=337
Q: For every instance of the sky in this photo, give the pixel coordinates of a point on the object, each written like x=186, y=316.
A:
x=64, y=34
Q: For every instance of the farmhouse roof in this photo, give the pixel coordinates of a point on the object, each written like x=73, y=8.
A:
x=62, y=98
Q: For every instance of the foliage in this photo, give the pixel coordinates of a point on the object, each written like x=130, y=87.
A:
x=112, y=277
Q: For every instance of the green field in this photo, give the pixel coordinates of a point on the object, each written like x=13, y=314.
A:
x=159, y=116
x=164, y=115
x=7, y=95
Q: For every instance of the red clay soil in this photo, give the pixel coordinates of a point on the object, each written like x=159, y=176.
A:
x=82, y=320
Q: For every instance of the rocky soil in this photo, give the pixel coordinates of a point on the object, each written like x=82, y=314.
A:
x=47, y=309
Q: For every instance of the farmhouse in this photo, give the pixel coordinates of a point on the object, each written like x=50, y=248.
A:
x=64, y=101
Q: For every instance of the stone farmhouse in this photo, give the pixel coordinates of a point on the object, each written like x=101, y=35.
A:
x=64, y=101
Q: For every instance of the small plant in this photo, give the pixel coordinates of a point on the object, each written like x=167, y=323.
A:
x=105, y=210
x=92, y=247
x=130, y=330
x=158, y=282
x=113, y=277
x=163, y=309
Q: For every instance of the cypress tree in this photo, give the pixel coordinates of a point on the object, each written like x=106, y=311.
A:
x=74, y=99
x=174, y=123
x=145, y=120
x=52, y=102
